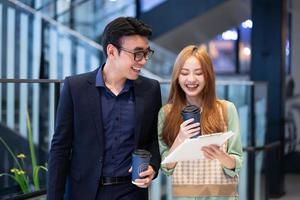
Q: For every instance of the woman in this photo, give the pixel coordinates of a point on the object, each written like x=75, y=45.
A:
x=193, y=83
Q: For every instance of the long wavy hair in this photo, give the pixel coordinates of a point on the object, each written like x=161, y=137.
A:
x=211, y=118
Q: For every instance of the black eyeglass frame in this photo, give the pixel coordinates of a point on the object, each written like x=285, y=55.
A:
x=147, y=54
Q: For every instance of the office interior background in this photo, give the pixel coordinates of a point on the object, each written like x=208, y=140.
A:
x=254, y=44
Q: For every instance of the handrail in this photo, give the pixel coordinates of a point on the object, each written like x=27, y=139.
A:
x=162, y=81
x=8, y=80
x=266, y=147
x=72, y=5
x=29, y=195
x=225, y=82
x=46, y=4
x=57, y=24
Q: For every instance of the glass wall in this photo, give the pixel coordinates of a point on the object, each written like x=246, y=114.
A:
x=27, y=115
x=231, y=50
x=147, y=5
x=35, y=47
x=88, y=17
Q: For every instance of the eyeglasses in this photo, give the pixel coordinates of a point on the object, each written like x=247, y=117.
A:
x=139, y=55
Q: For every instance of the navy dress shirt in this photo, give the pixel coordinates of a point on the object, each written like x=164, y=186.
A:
x=118, y=114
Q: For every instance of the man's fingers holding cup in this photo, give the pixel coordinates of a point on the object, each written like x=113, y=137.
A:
x=148, y=173
x=143, y=183
x=130, y=170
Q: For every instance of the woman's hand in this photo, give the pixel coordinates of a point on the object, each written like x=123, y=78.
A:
x=212, y=152
x=188, y=129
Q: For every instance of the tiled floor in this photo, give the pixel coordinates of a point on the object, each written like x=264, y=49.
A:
x=292, y=187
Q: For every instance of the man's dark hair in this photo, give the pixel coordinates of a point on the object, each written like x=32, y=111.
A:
x=123, y=26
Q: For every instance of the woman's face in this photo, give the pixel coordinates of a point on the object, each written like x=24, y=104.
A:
x=191, y=78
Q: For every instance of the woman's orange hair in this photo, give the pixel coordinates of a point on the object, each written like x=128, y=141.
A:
x=211, y=119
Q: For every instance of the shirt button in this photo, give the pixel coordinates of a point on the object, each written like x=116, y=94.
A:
x=116, y=138
x=117, y=118
x=113, y=157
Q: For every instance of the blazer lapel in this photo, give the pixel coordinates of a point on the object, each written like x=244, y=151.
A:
x=96, y=109
x=139, y=110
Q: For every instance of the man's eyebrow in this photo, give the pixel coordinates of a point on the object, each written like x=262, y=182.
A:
x=140, y=49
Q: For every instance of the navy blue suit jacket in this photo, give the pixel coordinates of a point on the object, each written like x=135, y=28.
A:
x=78, y=142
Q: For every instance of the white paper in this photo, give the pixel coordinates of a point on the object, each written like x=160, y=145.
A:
x=190, y=149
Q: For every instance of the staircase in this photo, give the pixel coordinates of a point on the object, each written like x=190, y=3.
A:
x=194, y=21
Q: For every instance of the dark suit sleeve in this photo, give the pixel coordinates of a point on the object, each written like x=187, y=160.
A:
x=154, y=148
x=59, y=158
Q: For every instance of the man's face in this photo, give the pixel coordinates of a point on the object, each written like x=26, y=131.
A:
x=131, y=57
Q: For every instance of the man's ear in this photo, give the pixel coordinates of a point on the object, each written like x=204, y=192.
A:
x=111, y=51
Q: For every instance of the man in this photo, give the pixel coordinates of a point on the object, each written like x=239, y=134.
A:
x=102, y=117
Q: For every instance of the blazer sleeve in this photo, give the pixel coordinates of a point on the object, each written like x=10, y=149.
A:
x=163, y=147
x=153, y=147
x=60, y=151
x=234, y=147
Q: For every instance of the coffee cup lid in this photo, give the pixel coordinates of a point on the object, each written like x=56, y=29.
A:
x=142, y=153
x=190, y=109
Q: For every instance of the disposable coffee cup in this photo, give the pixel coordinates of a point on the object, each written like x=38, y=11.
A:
x=189, y=112
x=140, y=163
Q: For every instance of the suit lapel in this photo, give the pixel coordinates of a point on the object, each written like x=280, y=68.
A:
x=139, y=110
x=96, y=109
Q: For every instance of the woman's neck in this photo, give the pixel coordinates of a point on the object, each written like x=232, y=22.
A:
x=194, y=101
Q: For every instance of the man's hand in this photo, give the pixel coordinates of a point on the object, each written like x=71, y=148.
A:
x=147, y=175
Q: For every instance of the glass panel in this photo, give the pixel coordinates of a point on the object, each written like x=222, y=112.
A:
x=83, y=15
x=259, y=181
x=147, y=5
x=36, y=47
x=243, y=178
x=222, y=50
x=90, y=22
x=260, y=114
x=55, y=52
x=245, y=46
x=1, y=28
x=26, y=101
x=81, y=60
x=161, y=62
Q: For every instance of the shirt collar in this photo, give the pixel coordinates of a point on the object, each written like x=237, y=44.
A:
x=99, y=77
x=100, y=81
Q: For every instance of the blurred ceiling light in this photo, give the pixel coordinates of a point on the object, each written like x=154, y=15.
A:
x=287, y=48
x=247, y=51
x=229, y=35
x=113, y=0
x=247, y=24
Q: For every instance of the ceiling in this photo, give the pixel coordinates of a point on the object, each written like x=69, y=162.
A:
x=206, y=25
